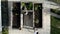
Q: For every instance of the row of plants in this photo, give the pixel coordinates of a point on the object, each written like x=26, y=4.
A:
x=55, y=11
x=55, y=24
x=4, y=30
x=55, y=30
x=30, y=6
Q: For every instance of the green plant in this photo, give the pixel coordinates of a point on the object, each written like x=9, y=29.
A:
x=55, y=23
x=55, y=11
x=29, y=5
x=5, y=31
x=37, y=7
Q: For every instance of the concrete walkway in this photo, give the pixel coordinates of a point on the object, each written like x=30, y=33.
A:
x=0, y=32
x=23, y=31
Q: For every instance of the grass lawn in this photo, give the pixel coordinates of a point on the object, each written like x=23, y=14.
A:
x=55, y=23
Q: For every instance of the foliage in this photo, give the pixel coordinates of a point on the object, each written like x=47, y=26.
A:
x=55, y=23
x=37, y=7
x=55, y=11
x=56, y=1
x=5, y=30
x=29, y=5
x=55, y=30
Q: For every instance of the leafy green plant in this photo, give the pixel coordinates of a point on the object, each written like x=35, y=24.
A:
x=55, y=11
x=29, y=5
x=23, y=5
x=55, y=23
x=37, y=7
x=5, y=30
